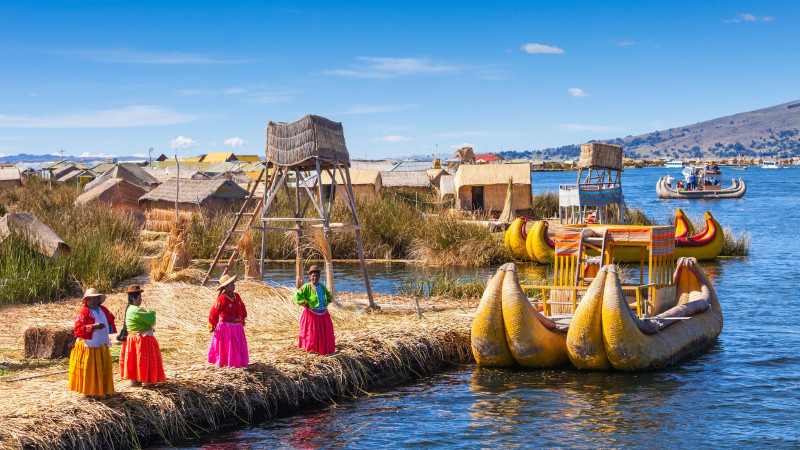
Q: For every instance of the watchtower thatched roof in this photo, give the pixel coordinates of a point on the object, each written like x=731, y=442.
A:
x=195, y=191
x=301, y=142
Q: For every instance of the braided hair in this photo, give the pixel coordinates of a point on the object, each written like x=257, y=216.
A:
x=123, y=334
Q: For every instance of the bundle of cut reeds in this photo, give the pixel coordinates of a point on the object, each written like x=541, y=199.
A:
x=251, y=267
x=509, y=214
x=176, y=256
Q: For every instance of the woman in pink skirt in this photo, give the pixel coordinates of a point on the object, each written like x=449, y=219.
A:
x=226, y=322
x=316, y=327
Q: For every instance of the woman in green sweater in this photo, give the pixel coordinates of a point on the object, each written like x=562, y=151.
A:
x=140, y=357
x=316, y=327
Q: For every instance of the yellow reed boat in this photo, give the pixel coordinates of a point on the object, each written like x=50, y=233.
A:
x=536, y=245
x=610, y=322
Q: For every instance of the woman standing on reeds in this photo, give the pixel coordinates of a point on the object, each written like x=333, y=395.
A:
x=90, y=368
x=226, y=320
x=140, y=357
x=316, y=326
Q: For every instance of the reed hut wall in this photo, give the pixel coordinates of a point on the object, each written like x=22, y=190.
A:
x=484, y=186
x=10, y=177
x=364, y=182
x=409, y=181
x=160, y=214
x=206, y=197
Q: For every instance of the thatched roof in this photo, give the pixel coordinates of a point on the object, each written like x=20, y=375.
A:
x=9, y=174
x=38, y=235
x=237, y=176
x=298, y=143
x=130, y=172
x=112, y=192
x=382, y=165
x=194, y=191
x=357, y=178
x=405, y=179
x=489, y=174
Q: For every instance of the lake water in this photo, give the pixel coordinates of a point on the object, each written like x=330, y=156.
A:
x=744, y=392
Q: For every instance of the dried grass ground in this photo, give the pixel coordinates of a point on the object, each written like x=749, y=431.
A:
x=374, y=349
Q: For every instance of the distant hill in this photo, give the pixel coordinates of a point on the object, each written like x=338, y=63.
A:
x=770, y=132
x=23, y=157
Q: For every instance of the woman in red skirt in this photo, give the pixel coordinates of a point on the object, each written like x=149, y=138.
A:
x=140, y=357
x=316, y=327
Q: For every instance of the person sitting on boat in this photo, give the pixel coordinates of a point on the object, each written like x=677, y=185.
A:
x=226, y=321
x=90, y=368
x=316, y=327
x=680, y=185
x=140, y=357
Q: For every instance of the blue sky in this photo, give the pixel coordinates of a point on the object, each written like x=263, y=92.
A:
x=116, y=78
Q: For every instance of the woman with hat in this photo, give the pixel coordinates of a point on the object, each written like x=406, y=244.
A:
x=90, y=369
x=316, y=327
x=226, y=320
x=140, y=357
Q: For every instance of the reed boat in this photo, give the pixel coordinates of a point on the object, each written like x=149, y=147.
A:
x=605, y=333
x=539, y=247
x=665, y=189
x=609, y=324
x=507, y=330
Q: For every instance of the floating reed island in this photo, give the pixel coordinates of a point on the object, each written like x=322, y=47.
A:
x=402, y=341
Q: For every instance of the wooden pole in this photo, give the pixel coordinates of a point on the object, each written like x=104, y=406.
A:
x=177, y=186
x=360, y=247
x=326, y=230
x=298, y=271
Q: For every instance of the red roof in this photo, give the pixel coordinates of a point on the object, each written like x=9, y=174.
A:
x=488, y=157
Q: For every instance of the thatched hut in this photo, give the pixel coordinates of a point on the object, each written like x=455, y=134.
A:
x=207, y=197
x=483, y=186
x=364, y=182
x=119, y=194
x=379, y=165
x=10, y=177
x=130, y=172
x=38, y=235
x=406, y=181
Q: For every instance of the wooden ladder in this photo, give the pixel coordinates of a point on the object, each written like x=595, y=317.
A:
x=234, y=230
x=597, y=243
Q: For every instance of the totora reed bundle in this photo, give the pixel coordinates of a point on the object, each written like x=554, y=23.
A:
x=246, y=252
x=176, y=256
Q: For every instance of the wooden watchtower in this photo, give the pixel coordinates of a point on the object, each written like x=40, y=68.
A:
x=597, y=196
x=299, y=151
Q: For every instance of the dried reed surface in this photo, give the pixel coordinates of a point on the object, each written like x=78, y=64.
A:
x=374, y=349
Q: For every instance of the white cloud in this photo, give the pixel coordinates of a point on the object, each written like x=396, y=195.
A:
x=577, y=92
x=749, y=18
x=541, y=48
x=393, y=138
x=139, y=57
x=254, y=94
x=129, y=116
x=372, y=109
x=369, y=67
x=236, y=142
x=140, y=155
x=98, y=155
x=624, y=43
x=584, y=127
x=183, y=142
x=34, y=94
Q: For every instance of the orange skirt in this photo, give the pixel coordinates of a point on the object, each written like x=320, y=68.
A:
x=140, y=359
x=90, y=370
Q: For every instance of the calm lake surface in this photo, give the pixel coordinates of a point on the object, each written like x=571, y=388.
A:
x=744, y=392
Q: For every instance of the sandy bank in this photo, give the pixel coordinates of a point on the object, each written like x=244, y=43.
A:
x=378, y=349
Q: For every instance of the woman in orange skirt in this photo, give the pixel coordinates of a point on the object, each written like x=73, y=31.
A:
x=90, y=369
x=140, y=357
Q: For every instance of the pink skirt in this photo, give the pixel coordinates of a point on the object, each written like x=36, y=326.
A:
x=316, y=332
x=229, y=346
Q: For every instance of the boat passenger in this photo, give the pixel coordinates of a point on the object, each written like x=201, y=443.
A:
x=90, y=369
x=140, y=357
x=316, y=327
x=226, y=321
x=680, y=185
x=693, y=181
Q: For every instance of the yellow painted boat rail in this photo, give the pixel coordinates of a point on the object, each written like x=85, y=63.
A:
x=641, y=305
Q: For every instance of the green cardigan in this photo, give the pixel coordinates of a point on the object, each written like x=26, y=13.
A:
x=136, y=320
x=308, y=294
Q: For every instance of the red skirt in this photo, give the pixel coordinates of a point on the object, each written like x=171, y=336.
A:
x=140, y=359
x=316, y=332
